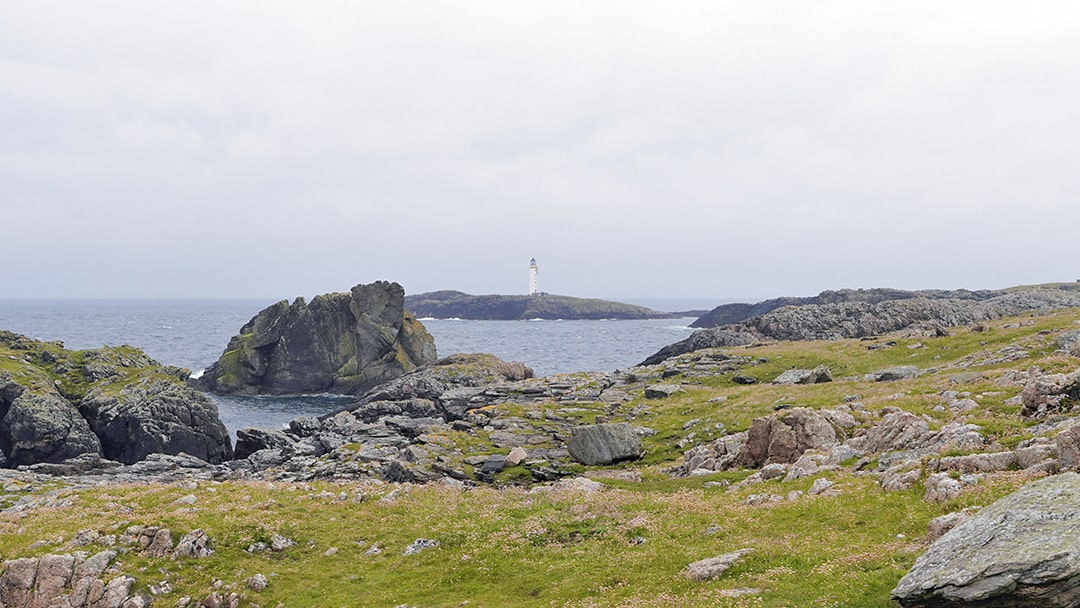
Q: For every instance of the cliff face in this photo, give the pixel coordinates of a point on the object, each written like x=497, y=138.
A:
x=458, y=305
x=339, y=343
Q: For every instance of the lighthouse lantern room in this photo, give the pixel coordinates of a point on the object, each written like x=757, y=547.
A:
x=534, y=284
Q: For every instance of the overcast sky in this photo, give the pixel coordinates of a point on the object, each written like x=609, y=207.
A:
x=635, y=149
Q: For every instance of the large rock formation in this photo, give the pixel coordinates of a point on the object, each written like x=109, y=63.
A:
x=1022, y=551
x=73, y=581
x=339, y=343
x=56, y=404
x=859, y=318
x=156, y=416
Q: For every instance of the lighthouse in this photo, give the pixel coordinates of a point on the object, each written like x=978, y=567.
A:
x=534, y=282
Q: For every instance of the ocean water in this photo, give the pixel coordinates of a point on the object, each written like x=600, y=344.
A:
x=193, y=333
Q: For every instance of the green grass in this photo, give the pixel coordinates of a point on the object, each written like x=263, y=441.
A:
x=507, y=546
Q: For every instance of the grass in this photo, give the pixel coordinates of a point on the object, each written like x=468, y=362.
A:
x=507, y=546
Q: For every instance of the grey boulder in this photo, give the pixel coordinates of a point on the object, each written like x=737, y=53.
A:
x=1022, y=551
x=604, y=444
x=817, y=375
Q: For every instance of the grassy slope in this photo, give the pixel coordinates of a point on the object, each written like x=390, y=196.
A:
x=509, y=547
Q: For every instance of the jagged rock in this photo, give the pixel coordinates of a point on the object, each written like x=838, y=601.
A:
x=339, y=343
x=1044, y=394
x=1069, y=341
x=817, y=375
x=454, y=384
x=156, y=416
x=161, y=543
x=420, y=544
x=604, y=444
x=820, y=486
x=516, y=456
x=1068, y=448
x=892, y=374
x=40, y=426
x=1022, y=551
x=70, y=581
x=257, y=582
x=719, y=455
x=713, y=567
x=194, y=544
x=940, y=487
x=783, y=437
x=249, y=441
x=901, y=476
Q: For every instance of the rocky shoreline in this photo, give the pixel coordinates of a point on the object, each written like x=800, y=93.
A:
x=474, y=420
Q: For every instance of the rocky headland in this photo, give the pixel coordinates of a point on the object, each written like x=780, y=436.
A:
x=113, y=402
x=341, y=343
x=458, y=305
x=864, y=313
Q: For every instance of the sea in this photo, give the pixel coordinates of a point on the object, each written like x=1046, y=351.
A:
x=193, y=333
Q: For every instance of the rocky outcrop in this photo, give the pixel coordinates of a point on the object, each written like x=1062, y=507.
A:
x=341, y=343
x=156, y=416
x=784, y=437
x=1022, y=551
x=458, y=305
x=73, y=581
x=40, y=426
x=57, y=405
x=855, y=318
x=817, y=375
x=605, y=444
x=727, y=314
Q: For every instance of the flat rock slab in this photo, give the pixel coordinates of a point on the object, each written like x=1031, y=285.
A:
x=1022, y=551
x=660, y=391
x=713, y=567
x=604, y=444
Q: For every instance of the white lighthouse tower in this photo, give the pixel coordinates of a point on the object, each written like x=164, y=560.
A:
x=534, y=282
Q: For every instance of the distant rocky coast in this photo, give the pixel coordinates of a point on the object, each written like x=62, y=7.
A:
x=458, y=305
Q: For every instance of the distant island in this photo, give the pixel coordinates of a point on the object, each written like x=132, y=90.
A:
x=459, y=305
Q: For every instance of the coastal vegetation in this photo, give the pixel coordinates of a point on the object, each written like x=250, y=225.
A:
x=608, y=535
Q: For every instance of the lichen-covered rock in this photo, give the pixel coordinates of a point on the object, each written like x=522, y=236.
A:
x=65, y=409
x=713, y=567
x=40, y=426
x=340, y=343
x=70, y=581
x=783, y=437
x=817, y=375
x=604, y=444
x=1022, y=551
x=156, y=416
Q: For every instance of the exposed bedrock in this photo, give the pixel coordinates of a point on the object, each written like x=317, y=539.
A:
x=341, y=343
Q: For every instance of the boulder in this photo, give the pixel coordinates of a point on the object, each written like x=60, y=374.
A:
x=661, y=391
x=782, y=438
x=1044, y=394
x=605, y=444
x=892, y=374
x=1022, y=551
x=817, y=375
x=341, y=343
x=713, y=567
x=156, y=416
x=41, y=426
x=249, y=441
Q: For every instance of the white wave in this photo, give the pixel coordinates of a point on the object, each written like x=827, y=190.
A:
x=198, y=374
x=427, y=319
